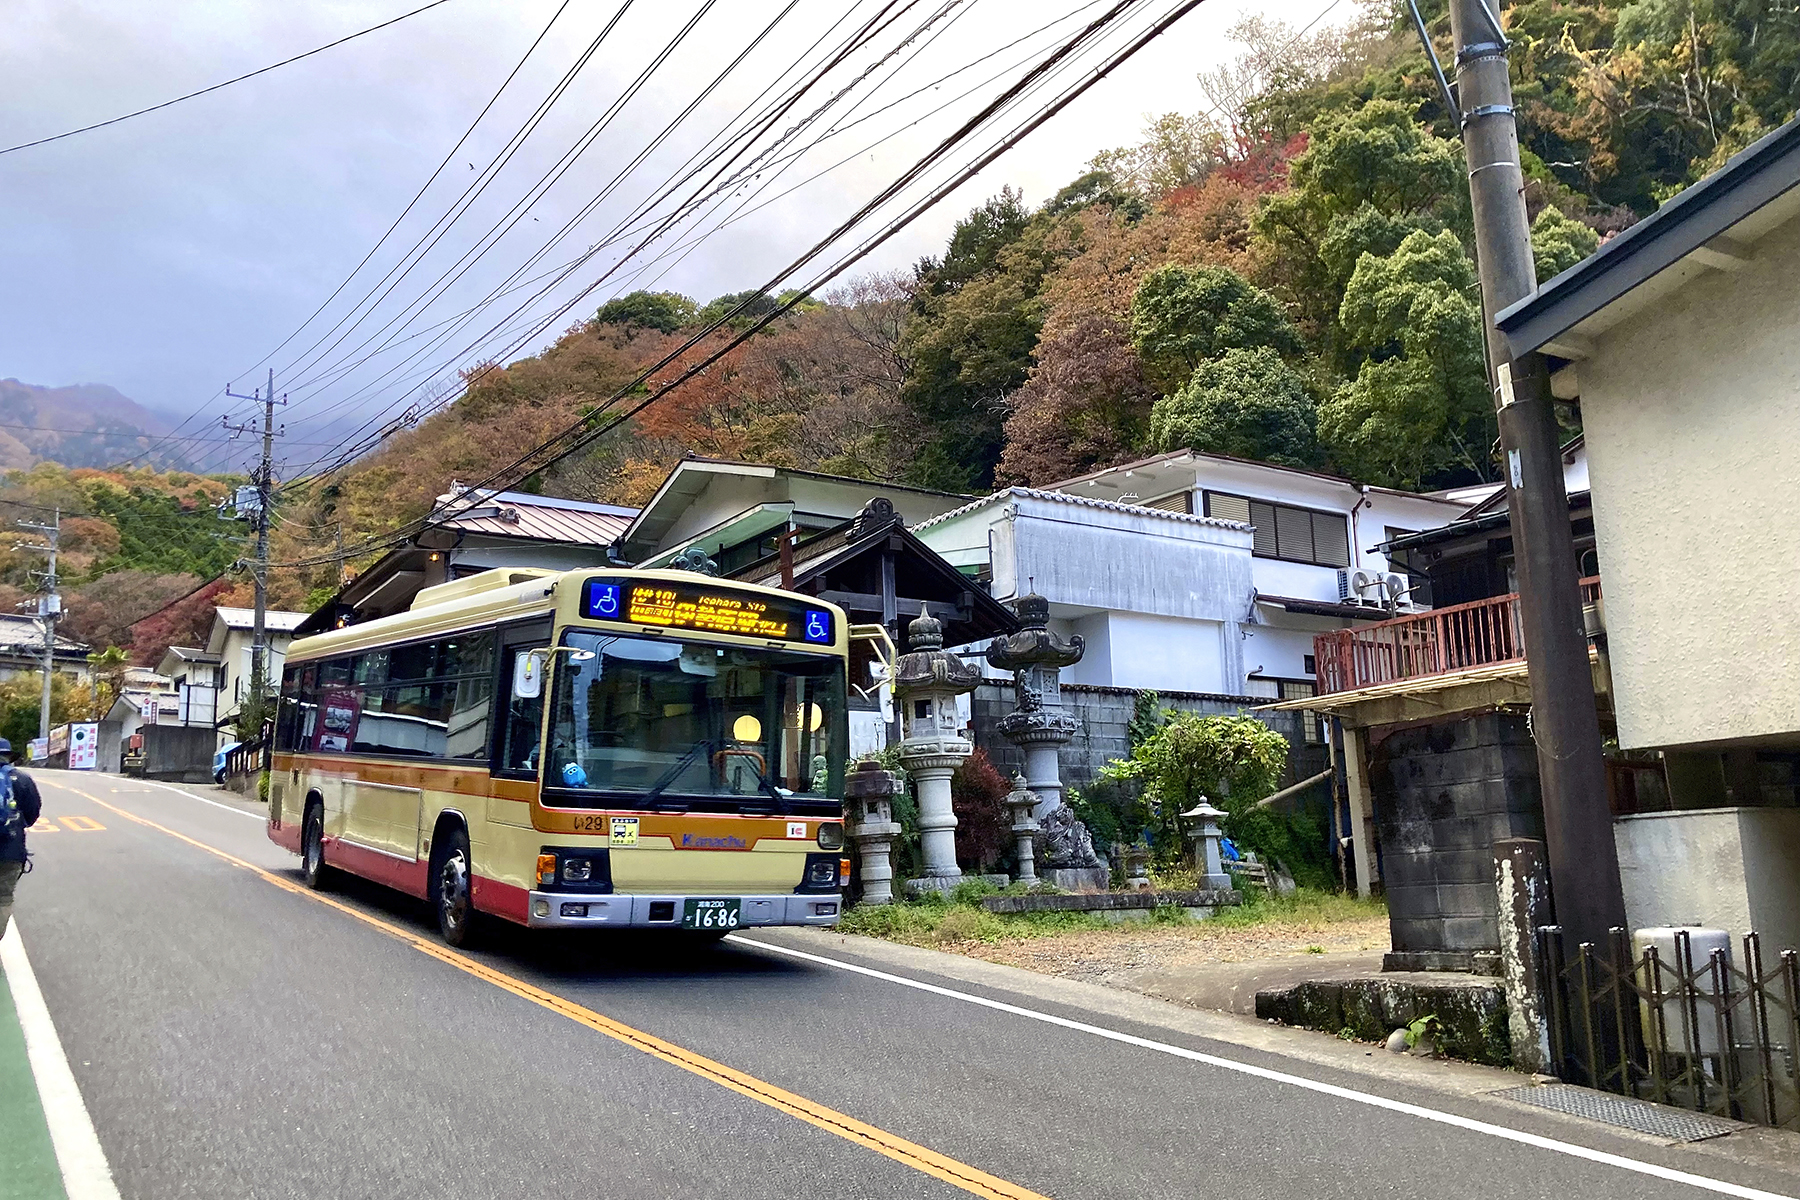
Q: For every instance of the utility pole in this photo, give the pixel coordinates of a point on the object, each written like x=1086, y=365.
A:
x=49, y=606
x=264, y=483
x=1584, y=861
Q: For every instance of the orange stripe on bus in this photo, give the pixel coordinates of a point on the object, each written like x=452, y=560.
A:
x=959, y=1174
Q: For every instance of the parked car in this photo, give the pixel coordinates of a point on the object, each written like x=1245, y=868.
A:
x=219, y=761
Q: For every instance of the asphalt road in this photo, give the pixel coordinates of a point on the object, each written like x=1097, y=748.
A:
x=234, y=1037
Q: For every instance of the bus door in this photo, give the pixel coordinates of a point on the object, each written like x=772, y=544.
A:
x=518, y=727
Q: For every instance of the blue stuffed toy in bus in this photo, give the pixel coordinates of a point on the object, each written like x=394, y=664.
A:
x=573, y=775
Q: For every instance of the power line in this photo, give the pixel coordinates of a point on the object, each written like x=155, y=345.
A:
x=57, y=137
x=755, y=126
x=582, y=432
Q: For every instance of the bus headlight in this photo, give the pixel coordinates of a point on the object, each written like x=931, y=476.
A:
x=831, y=836
x=577, y=870
x=822, y=873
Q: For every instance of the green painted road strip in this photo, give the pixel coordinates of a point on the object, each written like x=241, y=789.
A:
x=28, y=1169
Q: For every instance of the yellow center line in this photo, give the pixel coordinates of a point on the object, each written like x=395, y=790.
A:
x=911, y=1154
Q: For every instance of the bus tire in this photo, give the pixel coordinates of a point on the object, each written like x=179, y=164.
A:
x=451, y=899
x=313, y=870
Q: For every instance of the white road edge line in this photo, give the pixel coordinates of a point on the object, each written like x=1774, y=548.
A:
x=184, y=792
x=1312, y=1085
x=85, y=1173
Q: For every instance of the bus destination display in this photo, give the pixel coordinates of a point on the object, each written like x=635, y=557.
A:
x=714, y=610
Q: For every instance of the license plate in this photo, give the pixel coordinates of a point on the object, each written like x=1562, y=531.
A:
x=710, y=914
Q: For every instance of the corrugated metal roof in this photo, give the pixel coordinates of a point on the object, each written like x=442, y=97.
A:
x=1138, y=510
x=537, y=518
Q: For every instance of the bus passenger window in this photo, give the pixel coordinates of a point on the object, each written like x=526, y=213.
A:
x=524, y=718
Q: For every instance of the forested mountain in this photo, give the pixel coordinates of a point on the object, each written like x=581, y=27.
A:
x=1287, y=277
x=132, y=542
x=83, y=425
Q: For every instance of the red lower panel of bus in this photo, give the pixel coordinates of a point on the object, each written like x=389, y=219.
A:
x=287, y=837
x=501, y=899
x=397, y=873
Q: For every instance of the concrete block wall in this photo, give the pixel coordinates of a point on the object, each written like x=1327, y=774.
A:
x=1444, y=794
x=1105, y=717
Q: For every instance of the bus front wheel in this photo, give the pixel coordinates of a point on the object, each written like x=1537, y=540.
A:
x=312, y=849
x=450, y=889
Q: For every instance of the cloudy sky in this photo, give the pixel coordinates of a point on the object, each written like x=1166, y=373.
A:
x=168, y=254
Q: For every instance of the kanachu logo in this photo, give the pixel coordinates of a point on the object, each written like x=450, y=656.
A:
x=691, y=841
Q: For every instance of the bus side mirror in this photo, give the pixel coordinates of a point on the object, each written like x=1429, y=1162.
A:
x=528, y=675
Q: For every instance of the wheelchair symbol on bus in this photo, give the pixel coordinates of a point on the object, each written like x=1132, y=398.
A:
x=604, y=600
x=818, y=625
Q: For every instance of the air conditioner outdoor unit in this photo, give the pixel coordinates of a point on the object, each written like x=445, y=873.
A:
x=1395, y=586
x=1359, y=586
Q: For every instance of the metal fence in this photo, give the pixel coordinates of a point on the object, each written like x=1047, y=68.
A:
x=1707, y=1034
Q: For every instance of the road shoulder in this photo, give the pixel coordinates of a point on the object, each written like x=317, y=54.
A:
x=1458, y=1082
x=28, y=1168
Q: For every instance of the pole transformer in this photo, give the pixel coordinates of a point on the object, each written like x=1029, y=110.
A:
x=1584, y=862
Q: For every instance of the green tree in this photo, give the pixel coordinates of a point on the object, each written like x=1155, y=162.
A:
x=1181, y=317
x=1418, y=406
x=664, y=312
x=1559, y=242
x=1247, y=403
x=756, y=306
x=976, y=319
x=1367, y=179
x=1232, y=761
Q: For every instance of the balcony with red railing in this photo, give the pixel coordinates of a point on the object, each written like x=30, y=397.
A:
x=1440, y=641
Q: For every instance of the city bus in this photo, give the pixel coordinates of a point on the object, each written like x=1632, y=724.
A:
x=588, y=749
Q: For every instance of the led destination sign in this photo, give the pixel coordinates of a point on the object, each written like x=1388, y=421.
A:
x=695, y=606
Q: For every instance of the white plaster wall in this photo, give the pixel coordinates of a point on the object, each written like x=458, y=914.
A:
x=1095, y=666
x=1168, y=653
x=1726, y=868
x=1278, y=651
x=1691, y=409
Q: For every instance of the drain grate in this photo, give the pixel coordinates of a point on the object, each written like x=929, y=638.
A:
x=1657, y=1120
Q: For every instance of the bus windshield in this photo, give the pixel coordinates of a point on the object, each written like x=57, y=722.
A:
x=695, y=725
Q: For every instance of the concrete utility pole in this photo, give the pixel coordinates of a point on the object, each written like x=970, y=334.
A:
x=1584, y=862
x=49, y=607
x=264, y=482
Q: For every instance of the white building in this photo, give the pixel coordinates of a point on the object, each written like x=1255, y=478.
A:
x=1193, y=572
x=212, y=682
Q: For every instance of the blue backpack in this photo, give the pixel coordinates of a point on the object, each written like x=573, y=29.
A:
x=12, y=825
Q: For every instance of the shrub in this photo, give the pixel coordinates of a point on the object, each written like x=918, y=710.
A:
x=983, y=828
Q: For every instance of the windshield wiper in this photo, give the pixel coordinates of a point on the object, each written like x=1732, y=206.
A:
x=670, y=776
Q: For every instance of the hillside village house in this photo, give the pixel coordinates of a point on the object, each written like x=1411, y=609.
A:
x=211, y=682
x=1195, y=572
x=473, y=530
x=22, y=649
x=1681, y=340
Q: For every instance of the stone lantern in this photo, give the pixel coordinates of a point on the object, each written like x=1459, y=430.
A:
x=869, y=798
x=1020, y=801
x=1204, y=826
x=1037, y=724
x=927, y=681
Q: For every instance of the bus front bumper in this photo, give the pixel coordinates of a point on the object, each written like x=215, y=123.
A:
x=569, y=910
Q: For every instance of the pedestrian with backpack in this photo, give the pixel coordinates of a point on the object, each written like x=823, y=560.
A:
x=19, y=808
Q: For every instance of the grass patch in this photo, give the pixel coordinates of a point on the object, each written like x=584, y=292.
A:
x=940, y=919
x=1306, y=906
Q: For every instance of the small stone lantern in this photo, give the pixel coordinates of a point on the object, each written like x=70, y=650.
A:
x=1020, y=801
x=927, y=681
x=1204, y=831
x=1134, y=865
x=869, y=798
